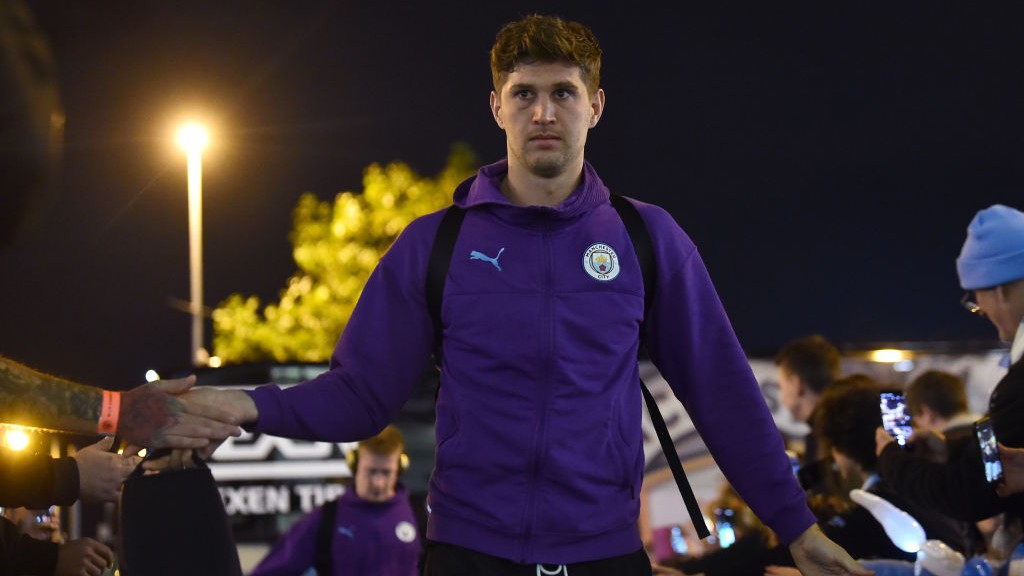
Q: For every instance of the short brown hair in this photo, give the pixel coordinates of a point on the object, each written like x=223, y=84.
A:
x=847, y=416
x=538, y=38
x=388, y=441
x=943, y=392
x=813, y=358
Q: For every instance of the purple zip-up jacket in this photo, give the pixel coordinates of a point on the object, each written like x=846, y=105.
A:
x=539, y=443
x=376, y=538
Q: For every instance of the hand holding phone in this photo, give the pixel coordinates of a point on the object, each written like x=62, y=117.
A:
x=989, y=450
x=895, y=418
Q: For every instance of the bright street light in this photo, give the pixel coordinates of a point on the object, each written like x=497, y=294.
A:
x=193, y=139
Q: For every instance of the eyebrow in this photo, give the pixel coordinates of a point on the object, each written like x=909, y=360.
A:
x=533, y=87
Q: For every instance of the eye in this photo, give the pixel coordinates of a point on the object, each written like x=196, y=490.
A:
x=564, y=93
x=522, y=94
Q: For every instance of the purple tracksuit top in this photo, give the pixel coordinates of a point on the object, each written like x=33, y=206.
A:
x=539, y=442
x=376, y=538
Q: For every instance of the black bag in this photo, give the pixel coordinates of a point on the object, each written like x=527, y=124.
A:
x=174, y=523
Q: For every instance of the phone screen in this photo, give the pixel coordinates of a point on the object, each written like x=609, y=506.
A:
x=678, y=540
x=724, y=518
x=989, y=450
x=895, y=418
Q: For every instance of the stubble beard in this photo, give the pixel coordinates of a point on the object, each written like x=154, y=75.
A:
x=547, y=163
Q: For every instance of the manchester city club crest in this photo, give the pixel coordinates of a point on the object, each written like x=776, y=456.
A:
x=601, y=262
x=405, y=531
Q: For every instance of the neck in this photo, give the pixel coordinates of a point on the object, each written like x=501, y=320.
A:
x=1017, y=345
x=525, y=188
x=808, y=402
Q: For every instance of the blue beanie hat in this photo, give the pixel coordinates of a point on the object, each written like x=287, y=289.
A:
x=993, y=253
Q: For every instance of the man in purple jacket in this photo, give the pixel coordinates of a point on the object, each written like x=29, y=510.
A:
x=539, y=444
x=370, y=529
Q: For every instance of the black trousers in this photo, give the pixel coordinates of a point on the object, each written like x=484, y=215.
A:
x=449, y=560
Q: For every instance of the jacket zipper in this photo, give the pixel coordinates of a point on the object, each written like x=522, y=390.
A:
x=546, y=382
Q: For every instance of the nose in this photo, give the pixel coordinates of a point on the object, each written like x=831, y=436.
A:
x=544, y=111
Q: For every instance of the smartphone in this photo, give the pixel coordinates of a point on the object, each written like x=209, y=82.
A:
x=724, y=518
x=895, y=418
x=989, y=450
x=44, y=515
x=678, y=539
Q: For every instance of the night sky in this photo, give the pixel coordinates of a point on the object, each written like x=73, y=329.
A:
x=825, y=158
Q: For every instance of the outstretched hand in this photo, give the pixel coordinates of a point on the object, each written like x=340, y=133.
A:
x=1013, y=471
x=171, y=414
x=101, y=472
x=83, y=556
x=882, y=439
x=816, y=555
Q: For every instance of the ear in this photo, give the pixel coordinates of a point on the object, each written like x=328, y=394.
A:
x=496, y=109
x=596, y=107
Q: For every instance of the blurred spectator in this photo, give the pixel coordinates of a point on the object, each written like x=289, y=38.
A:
x=35, y=553
x=41, y=524
x=846, y=421
x=943, y=426
x=937, y=401
x=32, y=483
x=370, y=529
x=991, y=269
x=741, y=544
x=806, y=367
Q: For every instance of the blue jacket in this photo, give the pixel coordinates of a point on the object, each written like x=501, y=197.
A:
x=368, y=538
x=539, y=441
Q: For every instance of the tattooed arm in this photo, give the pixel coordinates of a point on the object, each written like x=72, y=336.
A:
x=31, y=398
x=151, y=415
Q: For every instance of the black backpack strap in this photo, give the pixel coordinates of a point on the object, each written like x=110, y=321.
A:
x=644, y=249
x=437, y=268
x=324, y=534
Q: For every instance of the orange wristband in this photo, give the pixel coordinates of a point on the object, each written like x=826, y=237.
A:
x=109, y=412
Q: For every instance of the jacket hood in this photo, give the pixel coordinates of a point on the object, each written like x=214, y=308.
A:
x=484, y=189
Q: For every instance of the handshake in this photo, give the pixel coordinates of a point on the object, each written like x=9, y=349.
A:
x=174, y=414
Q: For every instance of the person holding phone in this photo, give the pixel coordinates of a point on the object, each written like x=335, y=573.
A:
x=1013, y=470
x=942, y=417
x=991, y=270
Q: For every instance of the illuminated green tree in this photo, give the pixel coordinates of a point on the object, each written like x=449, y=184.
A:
x=336, y=246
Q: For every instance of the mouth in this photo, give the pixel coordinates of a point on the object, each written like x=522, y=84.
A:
x=545, y=142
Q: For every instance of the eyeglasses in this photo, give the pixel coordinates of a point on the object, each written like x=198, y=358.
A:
x=969, y=304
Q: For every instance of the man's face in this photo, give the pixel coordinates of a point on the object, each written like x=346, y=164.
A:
x=546, y=112
x=1002, y=310
x=789, y=392
x=375, y=476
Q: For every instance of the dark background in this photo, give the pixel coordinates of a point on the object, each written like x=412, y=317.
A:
x=825, y=158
